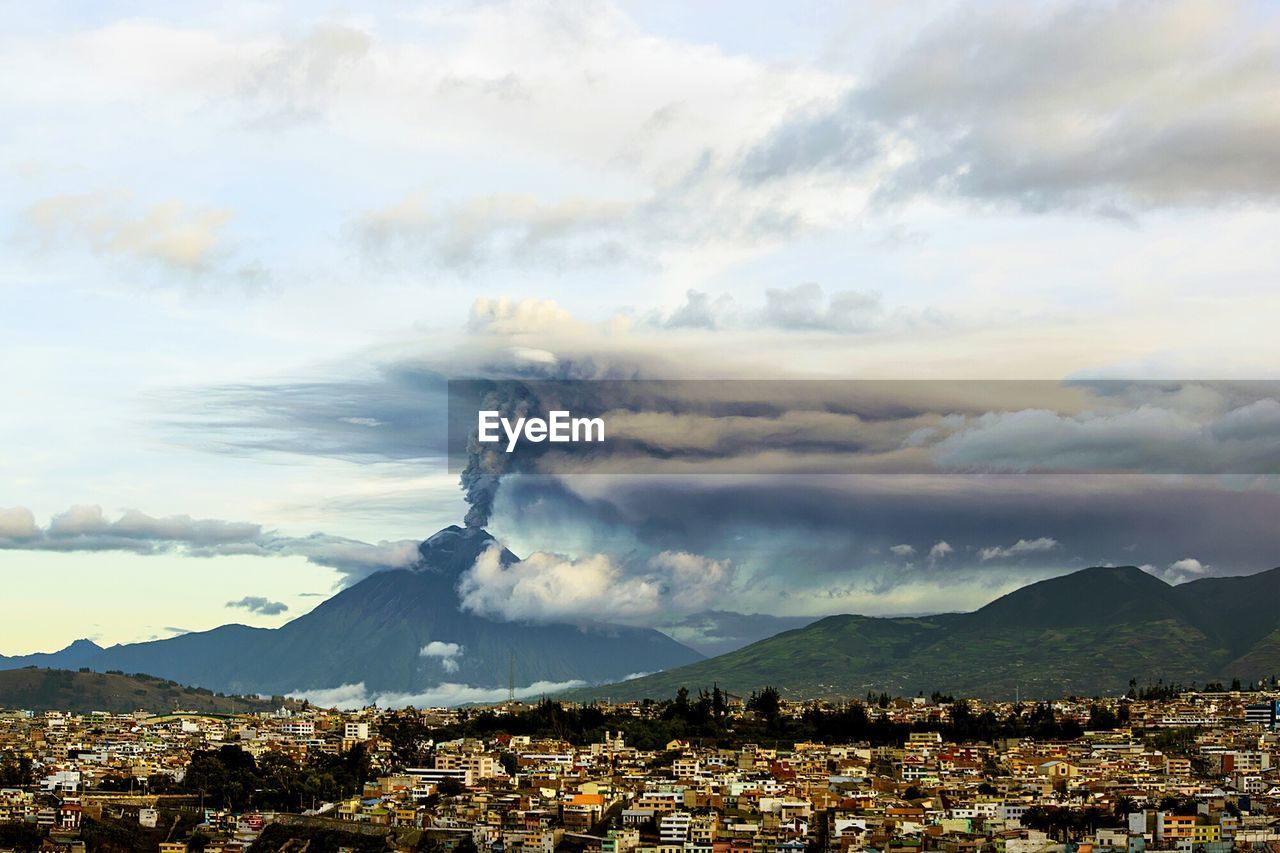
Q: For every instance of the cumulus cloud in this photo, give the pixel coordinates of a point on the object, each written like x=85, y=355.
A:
x=87, y=528
x=1179, y=571
x=447, y=653
x=505, y=316
x=1018, y=549
x=701, y=311
x=940, y=549
x=446, y=695
x=17, y=523
x=548, y=587
x=260, y=605
x=902, y=550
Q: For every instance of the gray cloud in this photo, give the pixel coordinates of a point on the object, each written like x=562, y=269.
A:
x=700, y=311
x=1071, y=105
x=805, y=306
x=398, y=414
x=258, y=604
x=819, y=544
x=1237, y=437
x=86, y=528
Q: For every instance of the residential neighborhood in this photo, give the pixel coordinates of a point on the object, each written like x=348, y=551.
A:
x=1188, y=771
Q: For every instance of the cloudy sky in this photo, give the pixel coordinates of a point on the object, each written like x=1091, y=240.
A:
x=242, y=245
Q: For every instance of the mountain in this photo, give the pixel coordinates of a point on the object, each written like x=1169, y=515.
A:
x=376, y=633
x=33, y=689
x=1086, y=633
x=74, y=656
x=716, y=632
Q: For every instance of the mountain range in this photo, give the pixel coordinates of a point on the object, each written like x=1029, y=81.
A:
x=396, y=632
x=401, y=634
x=1087, y=633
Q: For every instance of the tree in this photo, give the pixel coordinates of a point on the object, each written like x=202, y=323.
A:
x=767, y=704
x=450, y=787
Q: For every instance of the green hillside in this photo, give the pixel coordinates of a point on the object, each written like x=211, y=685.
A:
x=1087, y=633
x=83, y=692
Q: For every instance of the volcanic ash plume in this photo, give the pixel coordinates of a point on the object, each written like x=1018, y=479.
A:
x=488, y=463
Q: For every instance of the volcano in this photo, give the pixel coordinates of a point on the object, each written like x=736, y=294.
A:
x=399, y=632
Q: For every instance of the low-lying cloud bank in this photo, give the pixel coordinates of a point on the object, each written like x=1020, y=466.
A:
x=446, y=695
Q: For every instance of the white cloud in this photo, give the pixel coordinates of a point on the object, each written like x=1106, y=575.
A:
x=17, y=523
x=346, y=696
x=1179, y=571
x=547, y=587
x=505, y=316
x=446, y=653
x=1018, y=549
x=940, y=549
x=446, y=695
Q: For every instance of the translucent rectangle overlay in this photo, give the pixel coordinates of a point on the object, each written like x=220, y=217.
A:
x=759, y=427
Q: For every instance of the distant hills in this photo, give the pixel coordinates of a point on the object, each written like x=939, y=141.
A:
x=374, y=632
x=74, y=656
x=35, y=689
x=1087, y=633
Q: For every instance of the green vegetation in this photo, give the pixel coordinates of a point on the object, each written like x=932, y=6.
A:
x=230, y=778
x=84, y=692
x=1086, y=634
x=700, y=721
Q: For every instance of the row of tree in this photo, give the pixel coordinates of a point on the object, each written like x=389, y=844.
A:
x=705, y=719
x=231, y=778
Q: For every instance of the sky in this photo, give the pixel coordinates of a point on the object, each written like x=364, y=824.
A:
x=242, y=245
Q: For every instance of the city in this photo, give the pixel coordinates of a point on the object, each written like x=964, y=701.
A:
x=1162, y=769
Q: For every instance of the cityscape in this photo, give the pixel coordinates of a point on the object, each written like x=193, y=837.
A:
x=1160, y=768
